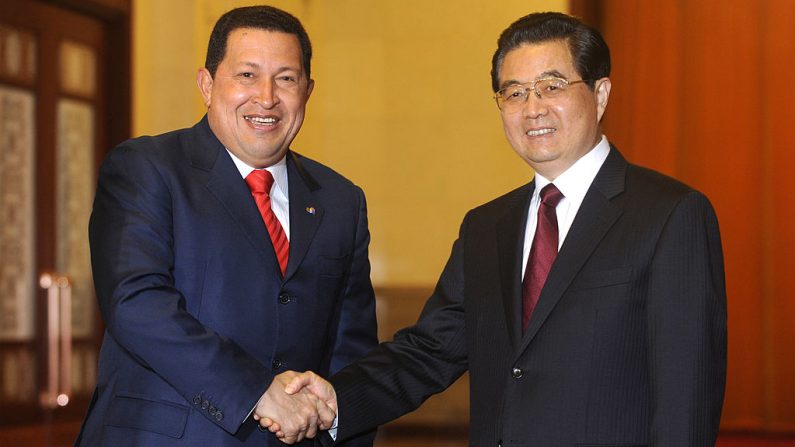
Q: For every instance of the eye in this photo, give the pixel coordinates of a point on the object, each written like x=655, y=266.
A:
x=246, y=77
x=287, y=78
x=553, y=86
x=514, y=92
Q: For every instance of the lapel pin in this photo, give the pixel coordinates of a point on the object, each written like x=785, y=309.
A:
x=310, y=210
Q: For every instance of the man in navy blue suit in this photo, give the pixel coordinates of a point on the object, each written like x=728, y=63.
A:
x=210, y=288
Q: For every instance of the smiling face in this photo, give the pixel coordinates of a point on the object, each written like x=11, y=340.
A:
x=551, y=134
x=257, y=99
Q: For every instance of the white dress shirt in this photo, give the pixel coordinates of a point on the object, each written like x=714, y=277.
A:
x=279, y=193
x=574, y=184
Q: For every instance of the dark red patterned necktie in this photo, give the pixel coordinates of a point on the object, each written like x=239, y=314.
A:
x=260, y=182
x=542, y=253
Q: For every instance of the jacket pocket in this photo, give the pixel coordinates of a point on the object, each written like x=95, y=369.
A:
x=140, y=413
x=604, y=278
x=334, y=266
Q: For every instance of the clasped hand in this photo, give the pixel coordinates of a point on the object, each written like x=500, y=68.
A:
x=297, y=406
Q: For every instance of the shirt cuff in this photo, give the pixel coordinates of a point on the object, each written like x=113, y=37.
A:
x=333, y=430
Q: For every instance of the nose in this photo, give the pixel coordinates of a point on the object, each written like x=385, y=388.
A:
x=266, y=94
x=534, y=107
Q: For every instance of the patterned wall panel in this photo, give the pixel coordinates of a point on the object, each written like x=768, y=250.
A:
x=74, y=196
x=17, y=55
x=78, y=69
x=18, y=383
x=17, y=276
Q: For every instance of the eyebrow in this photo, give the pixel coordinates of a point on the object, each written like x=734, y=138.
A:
x=257, y=66
x=248, y=64
x=508, y=83
x=546, y=74
x=552, y=73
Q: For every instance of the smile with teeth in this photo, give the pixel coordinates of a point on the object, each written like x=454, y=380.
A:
x=537, y=132
x=265, y=121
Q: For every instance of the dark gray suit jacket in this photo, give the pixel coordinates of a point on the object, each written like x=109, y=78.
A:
x=627, y=346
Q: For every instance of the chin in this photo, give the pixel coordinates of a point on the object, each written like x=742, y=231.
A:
x=540, y=156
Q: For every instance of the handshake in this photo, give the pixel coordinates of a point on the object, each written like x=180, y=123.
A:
x=297, y=406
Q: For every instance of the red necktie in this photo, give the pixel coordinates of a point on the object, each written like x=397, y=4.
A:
x=260, y=182
x=542, y=253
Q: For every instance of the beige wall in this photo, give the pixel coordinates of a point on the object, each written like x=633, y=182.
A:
x=402, y=106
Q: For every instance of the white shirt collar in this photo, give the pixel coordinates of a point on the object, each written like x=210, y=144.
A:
x=278, y=170
x=575, y=181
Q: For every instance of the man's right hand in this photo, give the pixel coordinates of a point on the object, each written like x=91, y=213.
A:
x=299, y=413
x=309, y=381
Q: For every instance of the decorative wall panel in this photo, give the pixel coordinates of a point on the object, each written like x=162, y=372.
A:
x=17, y=276
x=17, y=382
x=74, y=195
x=17, y=54
x=78, y=69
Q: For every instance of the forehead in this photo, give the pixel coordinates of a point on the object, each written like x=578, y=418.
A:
x=255, y=43
x=533, y=60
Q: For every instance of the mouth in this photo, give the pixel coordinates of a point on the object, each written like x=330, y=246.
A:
x=261, y=120
x=539, y=132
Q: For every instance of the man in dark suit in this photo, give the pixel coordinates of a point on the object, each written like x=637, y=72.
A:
x=222, y=258
x=615, y=332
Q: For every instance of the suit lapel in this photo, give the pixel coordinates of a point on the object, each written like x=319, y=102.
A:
x=305, y=211
x=594, y=218
x=510, y=240
x=228, y=187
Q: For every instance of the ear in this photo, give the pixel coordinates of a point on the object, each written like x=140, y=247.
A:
x=602, y=92
x=309, y=88
x=205, y=82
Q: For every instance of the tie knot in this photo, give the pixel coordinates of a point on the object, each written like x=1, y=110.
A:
x=551, y=195
x=260, y=181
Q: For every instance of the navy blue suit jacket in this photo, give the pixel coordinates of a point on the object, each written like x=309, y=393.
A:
x=198, y=319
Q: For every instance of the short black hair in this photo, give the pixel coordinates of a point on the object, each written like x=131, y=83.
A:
x=260, y=17
x=588, y=48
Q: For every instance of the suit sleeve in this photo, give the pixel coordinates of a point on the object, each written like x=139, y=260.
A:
x=356, y=332
x=422, y=360
x=687, y=327
x=131, y=237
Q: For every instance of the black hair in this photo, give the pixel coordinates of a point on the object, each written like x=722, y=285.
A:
x=588, y=49
x=259, y=17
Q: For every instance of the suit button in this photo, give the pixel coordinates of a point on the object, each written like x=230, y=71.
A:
x=205, y=404
x=219, y=416
x=284, y=298
x=276, y=364
x=517, y=373
x=197, y=400
x=212, y=410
